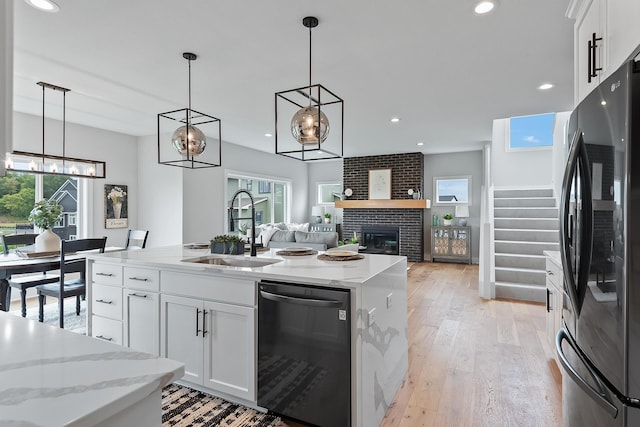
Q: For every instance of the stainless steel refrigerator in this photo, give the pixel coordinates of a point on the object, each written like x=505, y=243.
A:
x=599, y=344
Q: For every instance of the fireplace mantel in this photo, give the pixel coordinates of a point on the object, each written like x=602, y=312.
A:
x=384, y=204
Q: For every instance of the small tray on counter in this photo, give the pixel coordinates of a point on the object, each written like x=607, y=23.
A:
x=33, y=254
x=296, y=252
x=340, y=255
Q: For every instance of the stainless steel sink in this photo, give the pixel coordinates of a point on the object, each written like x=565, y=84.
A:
x=230, y=261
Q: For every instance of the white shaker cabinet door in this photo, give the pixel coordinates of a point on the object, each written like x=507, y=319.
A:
x=181, y=334
x=142, y=321
x=230, y=352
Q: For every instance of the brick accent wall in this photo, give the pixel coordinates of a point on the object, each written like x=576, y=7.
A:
x=407, y=171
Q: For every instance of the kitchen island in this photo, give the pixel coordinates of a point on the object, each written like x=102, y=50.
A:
x=213, y=311
x=53, y=377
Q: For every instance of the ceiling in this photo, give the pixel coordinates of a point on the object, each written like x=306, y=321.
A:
x=445, y=71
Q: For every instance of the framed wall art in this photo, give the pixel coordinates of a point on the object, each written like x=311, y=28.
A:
x=379, y=184
x=116, y=206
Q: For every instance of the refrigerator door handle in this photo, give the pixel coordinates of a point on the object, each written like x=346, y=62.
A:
x=586, y=231
x=566, y=221
x=594, y=394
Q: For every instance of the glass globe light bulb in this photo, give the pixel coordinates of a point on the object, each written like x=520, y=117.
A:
x=305, y=127
x=192, y=140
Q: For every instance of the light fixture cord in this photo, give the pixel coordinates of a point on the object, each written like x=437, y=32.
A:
x=309, y=65
x=189, y=86
x=64, y=126
x=43, y=124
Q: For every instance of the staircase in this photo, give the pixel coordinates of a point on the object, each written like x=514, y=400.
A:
x=525, y=224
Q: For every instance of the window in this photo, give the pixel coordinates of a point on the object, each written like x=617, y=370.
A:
x=329, y=192
x=531, y=132
x=19, y=191
x=72, y=219
x=452, y=190
x=271, y=200
x=60, y=223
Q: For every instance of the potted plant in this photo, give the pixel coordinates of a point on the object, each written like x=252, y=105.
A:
x=327, y=217
x=227, y=244
x=446, y=219
x=44, y=215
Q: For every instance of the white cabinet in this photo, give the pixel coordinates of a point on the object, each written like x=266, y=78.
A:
x=554, y=302
x=142, y=309
x=590, y=46
x=105, y=302
x=622, y=29
x=615, y=23
x=213, y=337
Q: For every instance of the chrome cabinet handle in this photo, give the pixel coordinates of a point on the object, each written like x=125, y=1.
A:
x=138, y=295
x=140, y=279
x=104, y=301
x=101, y=337
x=104, y=274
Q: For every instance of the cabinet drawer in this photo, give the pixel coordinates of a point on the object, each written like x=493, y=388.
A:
x=213, y=288
x=142, y=278
x=106, y=329
x=106, y=301
x=554, y=274
x=107, y=274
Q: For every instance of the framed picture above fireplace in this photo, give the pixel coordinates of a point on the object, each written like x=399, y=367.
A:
x=379, y=184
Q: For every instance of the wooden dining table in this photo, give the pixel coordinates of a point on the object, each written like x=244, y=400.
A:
x=11, y=264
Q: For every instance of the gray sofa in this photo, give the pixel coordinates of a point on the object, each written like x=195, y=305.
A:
x=318, y=241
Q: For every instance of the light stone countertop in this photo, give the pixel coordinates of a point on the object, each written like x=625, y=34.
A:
x=554, y=256
x=302, y=269
x=53, y=377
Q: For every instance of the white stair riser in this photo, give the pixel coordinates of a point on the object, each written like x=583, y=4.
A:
x=525, y=248
x=528, y=235
x=523, y=293
x=505, y=260
x=534, y=192
x=529, y=223
x=535, y=202
x=532, y=277
x=525, y=213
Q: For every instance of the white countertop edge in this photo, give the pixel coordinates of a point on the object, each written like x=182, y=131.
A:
x=553, y=256
x=127, y=400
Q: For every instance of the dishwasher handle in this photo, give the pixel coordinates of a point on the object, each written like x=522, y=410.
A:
x=313, y=302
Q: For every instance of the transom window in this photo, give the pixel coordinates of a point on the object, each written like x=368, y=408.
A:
x=531, y=132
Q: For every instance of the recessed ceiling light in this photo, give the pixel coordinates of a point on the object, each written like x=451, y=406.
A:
x=268, y=135
x=395, y=119
x=484, y=6
x=545, y=86
x=603, y=102
x=420, y=143
x=44, y=5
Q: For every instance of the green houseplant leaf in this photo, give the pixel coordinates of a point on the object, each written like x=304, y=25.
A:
x=45, y=214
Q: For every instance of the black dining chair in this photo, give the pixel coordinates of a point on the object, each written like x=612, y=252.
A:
x=69, y=288
x=29, y=280
x=137, y=239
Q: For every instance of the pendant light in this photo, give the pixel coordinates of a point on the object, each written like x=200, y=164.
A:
x=308, y=135
x=54, y=164
x=196, y=143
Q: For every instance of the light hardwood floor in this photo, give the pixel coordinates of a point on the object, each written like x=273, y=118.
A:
x=473, y=362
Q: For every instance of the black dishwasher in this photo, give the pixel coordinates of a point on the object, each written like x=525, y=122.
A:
x=304, y=353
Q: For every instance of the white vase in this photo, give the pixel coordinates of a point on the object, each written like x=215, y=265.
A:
x=446, y=222
x=47, y=241
x=117, y=208
x=327, y=220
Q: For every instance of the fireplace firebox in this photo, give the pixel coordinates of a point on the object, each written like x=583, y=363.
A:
x=377, y=239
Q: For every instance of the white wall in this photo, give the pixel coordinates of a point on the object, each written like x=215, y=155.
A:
x=323, y=172
x=119, y=151
x=6, y=77
x=454, y=164
x=160, y=202
x=518, y=168
x=186, y=205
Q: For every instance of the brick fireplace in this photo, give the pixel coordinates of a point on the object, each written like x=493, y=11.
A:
x=407, y=171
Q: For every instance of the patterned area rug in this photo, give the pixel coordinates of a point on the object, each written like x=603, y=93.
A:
x=185, y=407
x=72, y=322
